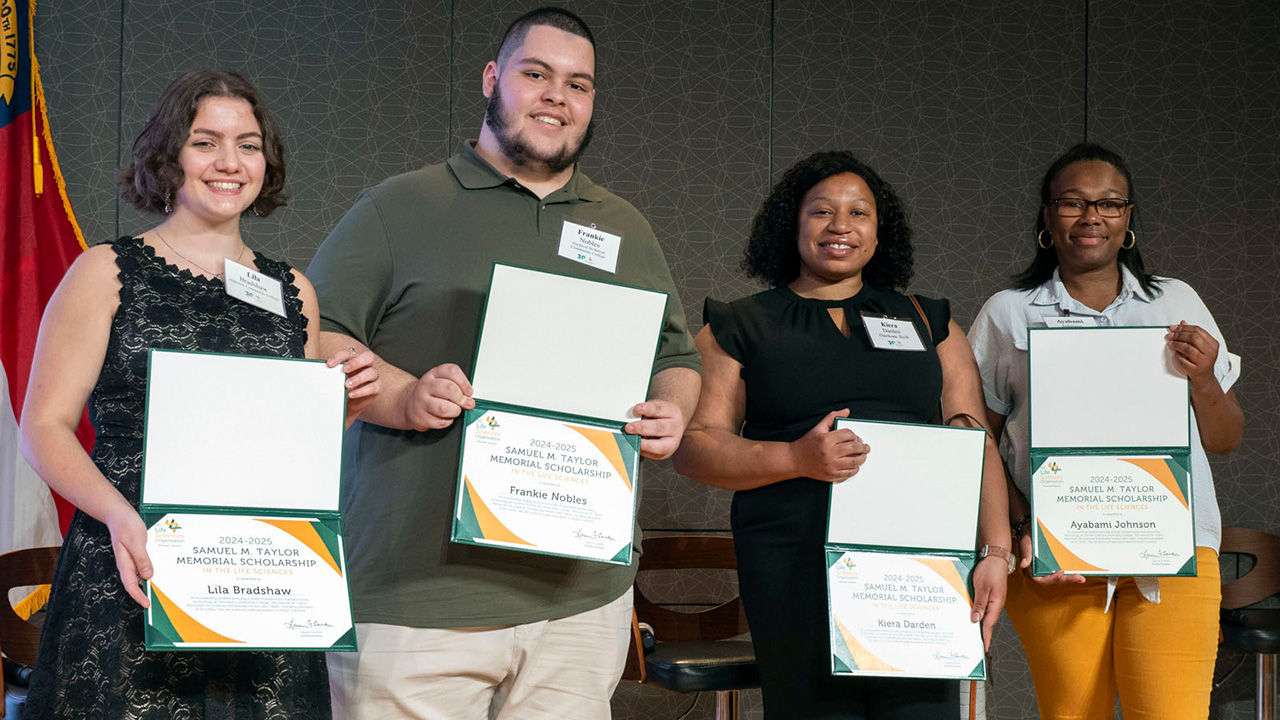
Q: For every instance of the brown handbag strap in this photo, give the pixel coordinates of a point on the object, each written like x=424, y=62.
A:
x=920, y=310
x=937, y=411
x=976, y=422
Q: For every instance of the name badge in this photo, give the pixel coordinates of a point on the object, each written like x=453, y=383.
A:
x=1070, y=321
x=590, y=245
x=254, y=288
x=888, y=333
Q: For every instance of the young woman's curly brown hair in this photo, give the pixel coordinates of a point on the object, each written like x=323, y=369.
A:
x=154, y=173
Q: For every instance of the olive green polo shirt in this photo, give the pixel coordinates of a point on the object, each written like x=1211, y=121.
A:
x=406, y=272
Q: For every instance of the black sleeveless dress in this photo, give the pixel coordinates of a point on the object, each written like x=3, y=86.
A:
x=91, y=662
x=798, y=367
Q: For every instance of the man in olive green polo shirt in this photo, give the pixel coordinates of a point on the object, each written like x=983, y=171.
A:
x=458, y=631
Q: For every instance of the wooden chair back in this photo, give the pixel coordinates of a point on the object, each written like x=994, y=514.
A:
x=690, y=552
x=1263, y=580
x=34, y=566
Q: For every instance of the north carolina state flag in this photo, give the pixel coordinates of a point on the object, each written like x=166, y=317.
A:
x=39, y=239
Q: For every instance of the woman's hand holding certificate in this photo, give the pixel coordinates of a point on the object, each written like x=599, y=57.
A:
x=827, y=453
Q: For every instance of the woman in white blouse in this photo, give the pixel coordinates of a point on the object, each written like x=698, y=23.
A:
x=1087, y=640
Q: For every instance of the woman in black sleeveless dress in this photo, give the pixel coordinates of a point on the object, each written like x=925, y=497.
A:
x=778, y=367
x=209, y=154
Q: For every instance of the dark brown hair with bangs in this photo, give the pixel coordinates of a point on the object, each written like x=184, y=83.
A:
x=154, y=172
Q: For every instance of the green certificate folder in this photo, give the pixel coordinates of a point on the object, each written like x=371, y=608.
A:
x=545, y=466
x=1110, y=453
x=241, y=465
x=900, y=554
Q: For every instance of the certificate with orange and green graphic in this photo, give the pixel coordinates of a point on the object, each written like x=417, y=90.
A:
x=238, y=581
x=903, y=615
x=898, y=593
x=545, y=465
x=547, y=484
x=241, y=468
x=1108, y=515
x=1110, y=453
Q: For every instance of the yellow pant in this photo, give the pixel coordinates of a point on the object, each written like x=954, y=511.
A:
x=1158, y=657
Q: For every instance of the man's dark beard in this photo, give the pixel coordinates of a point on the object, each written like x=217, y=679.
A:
x=517, y=152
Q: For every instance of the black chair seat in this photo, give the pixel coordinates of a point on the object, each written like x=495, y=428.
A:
x=1252, y=630
x=703, y=666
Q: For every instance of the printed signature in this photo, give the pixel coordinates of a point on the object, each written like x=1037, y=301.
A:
x=304, y=624
x=592, y=535
x=950, y=656
x=1151, y=554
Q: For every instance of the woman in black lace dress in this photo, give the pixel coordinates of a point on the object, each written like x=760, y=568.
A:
x=209, y=154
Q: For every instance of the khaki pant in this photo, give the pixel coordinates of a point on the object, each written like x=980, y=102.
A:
x=564, y=669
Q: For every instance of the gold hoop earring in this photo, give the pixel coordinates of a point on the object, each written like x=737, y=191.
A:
x=256, y=211
x=1133, y=240
x=1040, y=239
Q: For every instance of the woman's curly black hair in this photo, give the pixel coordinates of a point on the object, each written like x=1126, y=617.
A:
x=772, y=253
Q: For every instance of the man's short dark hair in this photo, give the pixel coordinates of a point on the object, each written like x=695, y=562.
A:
x=153, y=174
x=555, y=17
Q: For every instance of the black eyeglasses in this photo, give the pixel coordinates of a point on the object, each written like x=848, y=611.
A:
x=1075, y=207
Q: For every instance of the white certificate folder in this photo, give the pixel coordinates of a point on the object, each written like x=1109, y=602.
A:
x=900, y=554
x=1110, y=436
x=241, y=468
x=545, y=466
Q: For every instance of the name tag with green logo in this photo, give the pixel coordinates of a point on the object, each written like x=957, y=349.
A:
x=254, y=288
x=889, y=333
x=590, y=245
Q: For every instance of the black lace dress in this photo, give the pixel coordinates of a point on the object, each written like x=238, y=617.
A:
x=91, y=662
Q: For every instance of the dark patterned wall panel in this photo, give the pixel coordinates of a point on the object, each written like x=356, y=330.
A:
x=684, y=136
x=956, y=104
x=361, y=90
x=78, y=47
x=1198, y=116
